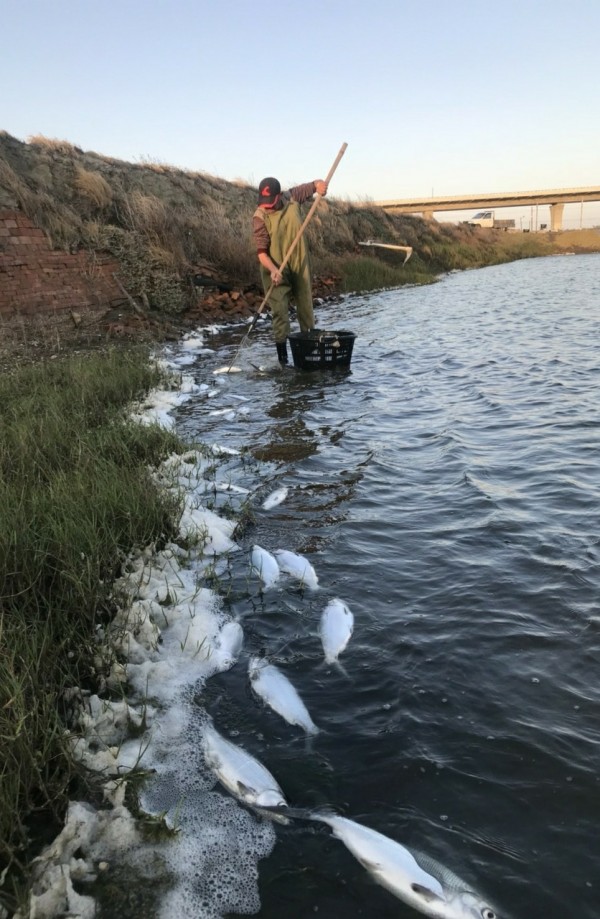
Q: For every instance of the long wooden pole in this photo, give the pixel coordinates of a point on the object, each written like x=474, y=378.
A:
x=288, y=254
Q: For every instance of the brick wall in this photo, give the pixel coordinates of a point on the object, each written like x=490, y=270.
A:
x=36, y=280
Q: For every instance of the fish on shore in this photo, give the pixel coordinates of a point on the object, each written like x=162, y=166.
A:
x=336, y=627
x=297, y=567
x=241, y=774
x=274, y=688
x=264, y=565
x=275, y=498
x=417, y=879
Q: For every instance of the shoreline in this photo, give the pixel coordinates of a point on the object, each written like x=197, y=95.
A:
x=168, y=637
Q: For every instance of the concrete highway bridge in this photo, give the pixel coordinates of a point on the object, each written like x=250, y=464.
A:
x=555, y=197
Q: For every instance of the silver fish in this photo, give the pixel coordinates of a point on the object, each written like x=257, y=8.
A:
x=276, y=497
x=416, y=879
x=227, y=370
x=278, y=693
x=298, y=567
x=229, y=644
x=336, y=627
x=241, y=774
x=265, y=565
x=228, y=412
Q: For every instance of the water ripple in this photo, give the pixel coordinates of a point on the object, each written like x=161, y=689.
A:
x=448, y=489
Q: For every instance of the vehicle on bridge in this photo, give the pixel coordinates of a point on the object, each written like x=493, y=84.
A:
x=488, y=219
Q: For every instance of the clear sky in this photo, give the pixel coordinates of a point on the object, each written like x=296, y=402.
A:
x=432, y=96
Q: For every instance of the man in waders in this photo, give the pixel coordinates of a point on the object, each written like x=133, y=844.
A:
x=275, y=225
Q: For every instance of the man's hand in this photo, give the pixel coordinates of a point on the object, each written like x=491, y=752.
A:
x=321, y=187
x=269, y=265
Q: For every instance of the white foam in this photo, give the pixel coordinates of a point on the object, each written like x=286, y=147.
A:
x=170, y=635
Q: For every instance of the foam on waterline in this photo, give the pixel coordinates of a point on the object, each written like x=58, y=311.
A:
x=188, y=650
x=194, y=341
x=219, y=876
x=182, y=360
x=200, y=524
x=186, y=472
x=212, y=859
x=167, y=638
x=158, y=404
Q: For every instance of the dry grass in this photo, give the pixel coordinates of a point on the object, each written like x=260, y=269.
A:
x=576, y=240
x=93, y=187
x=157, y=165
x=161, y=257
x=11, y=181
x=147, y=214
x=162, y=223
x=53, y=144
x=62, y=225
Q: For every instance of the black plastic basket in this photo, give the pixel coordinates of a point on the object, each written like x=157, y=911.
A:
x=318, y=350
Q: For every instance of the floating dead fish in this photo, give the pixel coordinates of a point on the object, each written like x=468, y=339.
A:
x=276, y=497
x=264, y=565
x=227, y=370
x=247, y=779
x=218, y=450
x=336, y=627
x=229, y=486
x=297, y=567
x=414, y=878
x=229, y=644
x=278, y=693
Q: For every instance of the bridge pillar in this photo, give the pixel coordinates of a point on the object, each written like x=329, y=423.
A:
x=428, y=215
x=556, y=213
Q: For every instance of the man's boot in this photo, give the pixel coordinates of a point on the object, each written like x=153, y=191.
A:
x=282, y=354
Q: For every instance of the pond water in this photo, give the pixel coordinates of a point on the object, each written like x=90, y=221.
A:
x=447, y=488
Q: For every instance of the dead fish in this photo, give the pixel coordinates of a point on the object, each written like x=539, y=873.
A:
x=229, y=644
x=227, y=370
x=265, y=565
x=298, y=567
x=276, y=497
x=417, y=879
x=229, y=486
x=247, y=779
x=336, y=627
x=278, y=693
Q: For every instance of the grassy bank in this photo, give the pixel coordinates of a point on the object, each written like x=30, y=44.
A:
x=165, y=225
x=75, y=496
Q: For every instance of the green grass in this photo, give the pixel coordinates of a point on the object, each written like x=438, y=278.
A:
x=364, y=273
x=75, y=497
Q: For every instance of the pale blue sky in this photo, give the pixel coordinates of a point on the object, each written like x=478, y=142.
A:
x=431, y=96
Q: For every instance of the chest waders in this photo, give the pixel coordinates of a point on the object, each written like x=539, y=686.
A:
x=282, y=226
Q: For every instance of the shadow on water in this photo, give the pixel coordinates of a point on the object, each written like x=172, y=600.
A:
x=295, y=399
